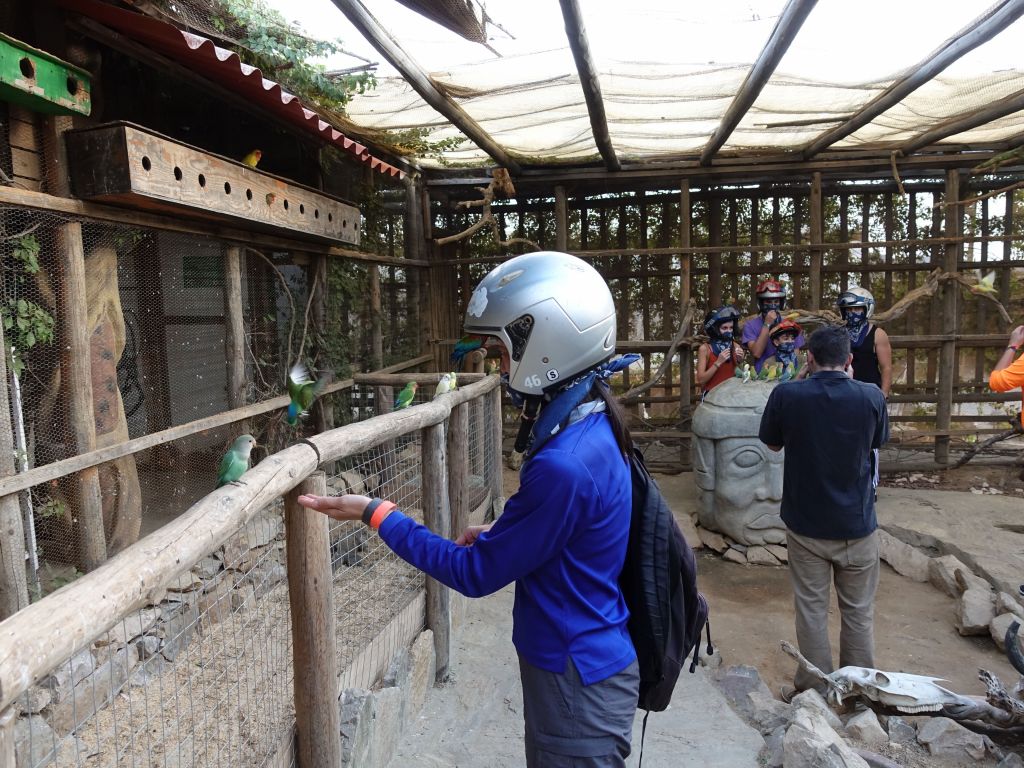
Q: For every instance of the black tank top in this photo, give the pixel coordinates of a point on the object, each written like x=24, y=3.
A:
x=865, y=361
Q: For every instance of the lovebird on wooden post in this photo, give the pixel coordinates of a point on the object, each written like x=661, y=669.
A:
x=253, y=158
x=405, y=396
x=303, y=391
x=236, y=460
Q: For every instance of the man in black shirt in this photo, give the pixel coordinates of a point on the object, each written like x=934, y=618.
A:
x=829, y=425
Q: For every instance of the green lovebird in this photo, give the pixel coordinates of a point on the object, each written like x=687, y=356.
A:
x=236, y=460
x=405, y=396
x=303, y=391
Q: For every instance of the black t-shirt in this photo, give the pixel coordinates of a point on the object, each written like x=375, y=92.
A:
x=865, y=360
x=828, y=425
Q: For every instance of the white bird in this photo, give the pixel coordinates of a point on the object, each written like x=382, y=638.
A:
x=444, y=386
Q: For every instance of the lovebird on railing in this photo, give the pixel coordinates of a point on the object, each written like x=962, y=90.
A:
x=303, y=391
x=444, y=385
x=405, y=396
x=236, y=460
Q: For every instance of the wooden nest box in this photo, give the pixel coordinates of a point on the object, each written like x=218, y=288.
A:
x=129, y=165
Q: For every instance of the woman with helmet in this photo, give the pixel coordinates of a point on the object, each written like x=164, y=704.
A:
x=872, y=352
x=562, y=536
x=783, y=337
x=717, y=358
x=771, y=302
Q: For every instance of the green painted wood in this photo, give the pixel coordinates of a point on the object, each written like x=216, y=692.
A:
x=43, y=83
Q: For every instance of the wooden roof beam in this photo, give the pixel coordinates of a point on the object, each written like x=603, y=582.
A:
x=589, y=81
x=984, y=28
x=421, y=82
x=965, y=122
x=789, y=23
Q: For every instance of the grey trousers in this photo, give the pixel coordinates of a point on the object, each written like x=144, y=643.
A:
x=571, y=725
x=853, y=565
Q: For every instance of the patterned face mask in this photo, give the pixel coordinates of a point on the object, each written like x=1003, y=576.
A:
x=518, y=399
x=786, y=347
x=855, y=319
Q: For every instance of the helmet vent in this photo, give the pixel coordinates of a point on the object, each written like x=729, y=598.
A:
x=519, y=333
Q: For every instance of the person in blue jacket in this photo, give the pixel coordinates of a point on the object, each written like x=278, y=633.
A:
x=562, y=537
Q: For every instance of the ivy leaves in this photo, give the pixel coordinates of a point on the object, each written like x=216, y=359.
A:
x=25, y=323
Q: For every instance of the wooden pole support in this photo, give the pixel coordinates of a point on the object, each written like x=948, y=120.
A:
x=437, y=517
x=7, y=755
x=317, y=717
x=494, y=461
x=561, y=219
x=685, y=262
x=817, y=228
x=458, y=467
x=948, y=373
x=234, y=326
x=13, y=580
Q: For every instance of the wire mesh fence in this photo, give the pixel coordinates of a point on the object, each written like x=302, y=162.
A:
x=202, y=675
x=157, y=310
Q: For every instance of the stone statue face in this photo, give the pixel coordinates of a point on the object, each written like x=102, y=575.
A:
x=739, y=478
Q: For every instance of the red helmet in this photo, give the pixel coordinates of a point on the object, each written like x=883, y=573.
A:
x=770, y=289
x=786, y=326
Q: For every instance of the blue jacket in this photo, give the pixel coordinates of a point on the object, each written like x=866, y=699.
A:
x=562, y=538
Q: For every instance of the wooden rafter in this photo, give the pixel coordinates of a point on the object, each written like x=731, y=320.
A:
x=577, y=34
x=977, y=32
x=421, y=82
x=789, y=23
x=965, y=122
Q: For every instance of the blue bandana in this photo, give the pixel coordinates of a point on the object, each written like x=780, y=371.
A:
x=785, y=353
x=564, y=403
x=857, y=332
x=720, y=345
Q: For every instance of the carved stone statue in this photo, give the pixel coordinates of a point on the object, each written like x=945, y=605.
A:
x=739, y=479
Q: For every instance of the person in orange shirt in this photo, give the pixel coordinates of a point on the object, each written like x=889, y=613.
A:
x=1009, y=373
x=717, y=358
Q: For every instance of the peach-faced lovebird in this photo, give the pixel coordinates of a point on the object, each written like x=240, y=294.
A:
x=303, y=391
x=236, y=460
x=405, y=396
x=253, y=158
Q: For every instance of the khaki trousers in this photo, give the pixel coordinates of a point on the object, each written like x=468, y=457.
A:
x=853, y=565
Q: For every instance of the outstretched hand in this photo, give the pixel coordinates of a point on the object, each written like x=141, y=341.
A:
x=1017, y=336
x=349, y=506
x=471, y=534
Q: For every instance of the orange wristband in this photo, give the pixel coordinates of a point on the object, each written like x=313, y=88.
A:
x=380, y=513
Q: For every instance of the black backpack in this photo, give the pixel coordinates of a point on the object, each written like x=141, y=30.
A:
x=659, y=583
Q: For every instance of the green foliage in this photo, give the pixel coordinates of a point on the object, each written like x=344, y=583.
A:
x=416, y=142
x=51, y=507
x=26, y=324
x=285, y=53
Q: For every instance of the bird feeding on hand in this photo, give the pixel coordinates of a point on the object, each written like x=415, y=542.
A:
x=405, y=397
x=303, y=391
x=444, y=385
x=253, y=158
x=236, y=460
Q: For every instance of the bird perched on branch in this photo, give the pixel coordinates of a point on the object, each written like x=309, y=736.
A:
x=404, y=399
x=236, y=460
x=455, y=380
x=986, y=284
x=303, y=391
x=253, y=158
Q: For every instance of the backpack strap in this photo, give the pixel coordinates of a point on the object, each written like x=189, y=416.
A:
x=643, y=733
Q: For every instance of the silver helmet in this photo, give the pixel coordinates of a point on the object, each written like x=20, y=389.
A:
x=552, y=311
x=856, y=296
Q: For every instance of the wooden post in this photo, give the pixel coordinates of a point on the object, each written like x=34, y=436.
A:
x=948, y=373
x=714, y=214
x=685, y=261
x=317, y=716
x=458, y=467
x=234, y=327
x=437, y=517
x=495, y=460
x=7, y=755
x=323, y=411
x=13, y=581
x=561, y=220
x=817, y=227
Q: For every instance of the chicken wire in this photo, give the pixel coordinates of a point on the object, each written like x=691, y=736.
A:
x=155, y=307
x=202, y=676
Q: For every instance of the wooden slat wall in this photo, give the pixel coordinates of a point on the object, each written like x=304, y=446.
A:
x=739, y=240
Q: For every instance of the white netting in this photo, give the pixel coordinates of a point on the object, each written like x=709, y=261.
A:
x=669, y=71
